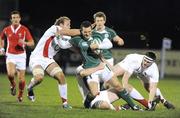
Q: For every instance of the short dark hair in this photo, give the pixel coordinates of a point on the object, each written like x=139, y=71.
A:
x=151, y=55
x=61, y=20
x=85, y=24
x=99, y=14
x=15, y=12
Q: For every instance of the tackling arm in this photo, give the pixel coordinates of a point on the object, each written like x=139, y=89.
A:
x=89, y=71
x=69, y=32
x=125, y=79
x=152, y=90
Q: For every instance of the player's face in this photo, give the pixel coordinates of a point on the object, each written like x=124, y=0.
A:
x=66, y=25
x=87, y=32
x=99, y=21
x=15, y=19
x=146, y=63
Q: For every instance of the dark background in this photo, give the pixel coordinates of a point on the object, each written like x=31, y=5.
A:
x=131, y=19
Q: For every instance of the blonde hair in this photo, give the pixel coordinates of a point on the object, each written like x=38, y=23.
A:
x=61, y=20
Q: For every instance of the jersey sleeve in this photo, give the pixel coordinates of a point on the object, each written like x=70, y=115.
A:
x=74, y=41
x=154, y=73
x=112, y=33
x=28, y=35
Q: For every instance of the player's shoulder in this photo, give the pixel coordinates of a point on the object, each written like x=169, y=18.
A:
x=109, y=29
x=154, y=65
x=76, y=37
x=7, y=28
x=24, y=27
x=134, y=55
x=96, y=34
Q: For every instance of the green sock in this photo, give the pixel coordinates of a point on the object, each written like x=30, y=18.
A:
x=125, y=96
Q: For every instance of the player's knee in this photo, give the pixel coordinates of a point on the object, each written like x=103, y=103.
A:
x=11, y=74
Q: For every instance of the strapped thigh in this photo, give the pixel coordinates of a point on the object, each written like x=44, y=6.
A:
x=55, y=70
x=37, y=71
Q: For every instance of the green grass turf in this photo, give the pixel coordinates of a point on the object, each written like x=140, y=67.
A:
x=48, y=102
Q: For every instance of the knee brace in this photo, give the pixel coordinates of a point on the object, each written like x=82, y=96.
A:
x=38, y=71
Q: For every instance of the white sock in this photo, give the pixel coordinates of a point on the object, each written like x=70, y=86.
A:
x=158, y=93
x=136, y=95
x=63, y=91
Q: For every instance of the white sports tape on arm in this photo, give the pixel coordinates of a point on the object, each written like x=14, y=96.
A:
x=105, y=44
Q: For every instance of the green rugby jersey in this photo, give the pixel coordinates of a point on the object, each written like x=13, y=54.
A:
x=110, y=34
x=90, y=59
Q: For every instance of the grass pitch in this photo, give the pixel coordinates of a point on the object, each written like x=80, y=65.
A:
x=48, y=102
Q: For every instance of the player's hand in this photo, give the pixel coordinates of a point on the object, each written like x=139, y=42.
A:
x=119, y=41
x=21, y=42
x=2, y=51
x=93, y=25
x=94, y=46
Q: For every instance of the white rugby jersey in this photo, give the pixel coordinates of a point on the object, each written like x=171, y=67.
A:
x=132, y=64
x=49, y=45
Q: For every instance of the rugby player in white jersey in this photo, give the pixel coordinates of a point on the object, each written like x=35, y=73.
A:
x=146, y=69
x=41, y=59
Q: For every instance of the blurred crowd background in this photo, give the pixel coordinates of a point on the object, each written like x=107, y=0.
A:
x=142, y=24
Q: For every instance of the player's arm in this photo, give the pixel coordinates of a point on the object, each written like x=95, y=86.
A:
x=118, y=40
x=89, y=71
x=2, y=51
x=1, y=43
x=125, y=79
x=152, y=90
x=30, y=42
x=105, y=44
x=69, y=32
x=27, y=43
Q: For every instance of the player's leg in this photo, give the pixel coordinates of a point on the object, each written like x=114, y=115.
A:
x=11, y=70
x=122, y=93
x=102, y=101
x=21, y=67
x=38, y=75
x=56, y=72
x=137, y=96
x=93, y=83
x=109, y=77
x=21, y=78
x=93, y=87
x=81, y=83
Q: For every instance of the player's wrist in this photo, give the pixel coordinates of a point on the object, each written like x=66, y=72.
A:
x=2, y=49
